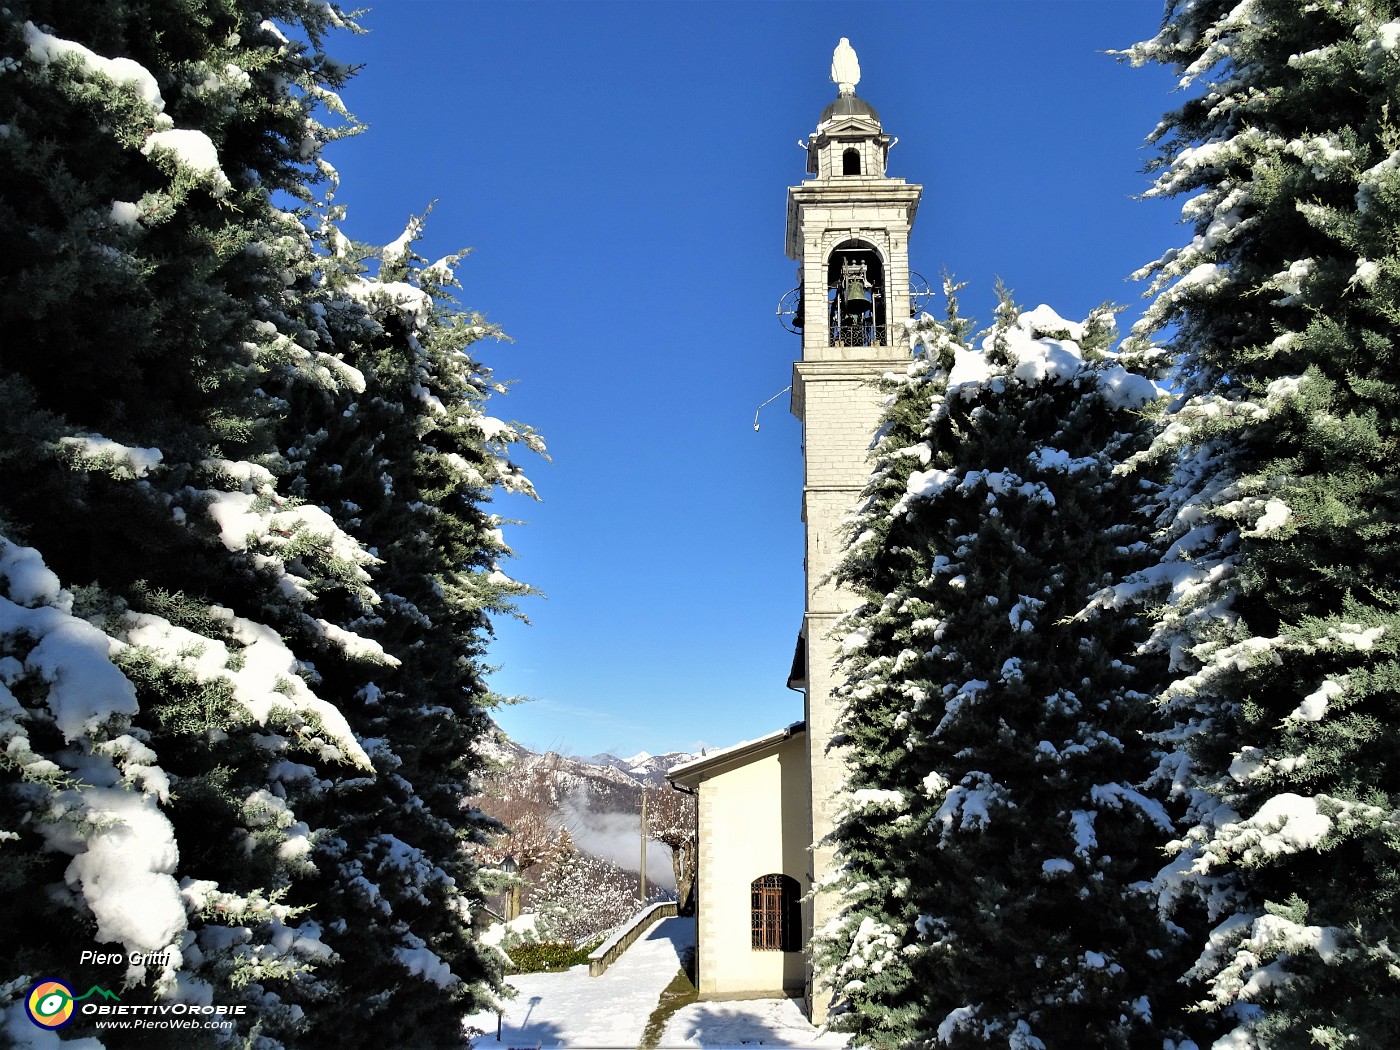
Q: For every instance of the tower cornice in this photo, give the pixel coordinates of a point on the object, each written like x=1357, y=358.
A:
x=852, y=190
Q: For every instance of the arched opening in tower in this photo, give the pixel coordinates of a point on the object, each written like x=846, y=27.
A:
x=850, y=162
x=855, y=280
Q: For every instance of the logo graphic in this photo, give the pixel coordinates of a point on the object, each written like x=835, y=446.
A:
x=50, y=1002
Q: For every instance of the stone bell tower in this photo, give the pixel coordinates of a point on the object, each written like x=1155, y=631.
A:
x=848, y=228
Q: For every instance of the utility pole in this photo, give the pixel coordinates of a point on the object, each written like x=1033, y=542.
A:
x=643, y=889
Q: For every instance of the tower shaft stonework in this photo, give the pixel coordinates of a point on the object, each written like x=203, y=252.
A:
x=848, y=228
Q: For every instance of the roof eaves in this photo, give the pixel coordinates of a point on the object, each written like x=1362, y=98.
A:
x=735, y=752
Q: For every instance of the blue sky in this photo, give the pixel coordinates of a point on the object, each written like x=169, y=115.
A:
x=620, y=170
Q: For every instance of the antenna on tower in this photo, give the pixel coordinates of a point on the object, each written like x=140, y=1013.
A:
x=765, y=404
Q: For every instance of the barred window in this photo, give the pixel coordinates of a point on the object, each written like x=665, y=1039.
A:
x=777, y=913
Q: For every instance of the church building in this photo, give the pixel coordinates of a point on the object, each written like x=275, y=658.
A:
x=766, y=805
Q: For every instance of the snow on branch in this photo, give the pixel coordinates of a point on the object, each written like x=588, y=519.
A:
x=47, y=49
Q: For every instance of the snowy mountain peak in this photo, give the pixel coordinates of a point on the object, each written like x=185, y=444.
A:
x=643, y=767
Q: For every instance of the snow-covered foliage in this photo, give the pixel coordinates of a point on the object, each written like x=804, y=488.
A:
x=245, y=570
x=572, y=829
x=671, y=820
x=1276, y=593
x=996, y=835
x=582, y=897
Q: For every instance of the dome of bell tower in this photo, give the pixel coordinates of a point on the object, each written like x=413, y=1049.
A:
x=849, y=106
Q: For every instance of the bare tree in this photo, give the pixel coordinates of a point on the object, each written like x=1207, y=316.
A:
x=671, y=820
x=532, y=832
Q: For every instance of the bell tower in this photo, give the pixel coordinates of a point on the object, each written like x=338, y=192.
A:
x=848, y=229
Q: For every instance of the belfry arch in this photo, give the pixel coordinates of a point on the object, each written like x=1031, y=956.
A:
x=857, y=295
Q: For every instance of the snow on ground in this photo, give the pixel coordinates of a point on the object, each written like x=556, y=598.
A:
x=573, y=1011
x=745, y=1022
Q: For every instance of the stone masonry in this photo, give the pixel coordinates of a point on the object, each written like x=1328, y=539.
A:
x=835, y=398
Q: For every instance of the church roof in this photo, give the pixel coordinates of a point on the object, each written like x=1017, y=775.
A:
x=691, y=771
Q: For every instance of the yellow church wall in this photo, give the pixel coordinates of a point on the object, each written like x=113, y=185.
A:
x=754, y=821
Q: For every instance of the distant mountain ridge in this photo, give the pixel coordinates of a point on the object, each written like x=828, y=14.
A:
x=600, y=783
x=643, y=767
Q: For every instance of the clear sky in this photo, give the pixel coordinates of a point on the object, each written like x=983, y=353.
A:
x=621, y=171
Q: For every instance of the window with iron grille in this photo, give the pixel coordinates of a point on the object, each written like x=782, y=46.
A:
x=777, y=913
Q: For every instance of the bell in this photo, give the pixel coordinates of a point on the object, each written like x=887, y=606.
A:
x=855, y=298
x=797, y=317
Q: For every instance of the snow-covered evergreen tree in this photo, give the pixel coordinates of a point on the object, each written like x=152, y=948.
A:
x=996, y=835
x=405, y=453
x=245, y=572
x=1278, y=587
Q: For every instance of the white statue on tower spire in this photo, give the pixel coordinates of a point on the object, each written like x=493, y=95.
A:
x=845, y=68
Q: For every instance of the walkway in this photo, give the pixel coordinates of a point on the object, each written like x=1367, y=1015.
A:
x=579, y=1012
x=572, y=1011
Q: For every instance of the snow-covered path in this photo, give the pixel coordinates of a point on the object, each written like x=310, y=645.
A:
x=745, y=1023
x=579, y=1012
x=572, y=1011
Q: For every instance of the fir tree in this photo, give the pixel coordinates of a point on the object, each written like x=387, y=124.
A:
x=402, y=447
x=1278, y=588
x=235, y=705
x=996, y=835
x=142, y=683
